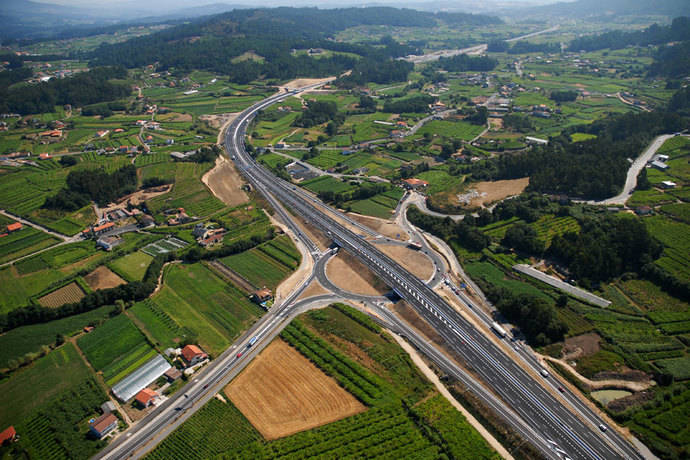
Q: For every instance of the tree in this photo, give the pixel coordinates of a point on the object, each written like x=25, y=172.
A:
x=523, y=238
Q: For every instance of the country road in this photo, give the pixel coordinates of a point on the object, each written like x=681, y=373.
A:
x=634, y=171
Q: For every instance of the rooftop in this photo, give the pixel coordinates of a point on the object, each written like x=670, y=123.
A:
x=103, y=422
x=142, y=377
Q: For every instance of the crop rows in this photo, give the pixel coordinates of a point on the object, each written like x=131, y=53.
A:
x=659, y=317
x=279, y=255
x=43, y=444
x=355, y=379
x=217, y=428
x=258, y=268
x=148, y=159
x=548, y=226
x=676, y=328
x=391, y=433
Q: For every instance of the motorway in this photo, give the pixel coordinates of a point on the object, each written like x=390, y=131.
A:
x=527, y=396
x=516, y=395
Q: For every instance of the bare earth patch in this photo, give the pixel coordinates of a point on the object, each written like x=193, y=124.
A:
x=383, y=227
x=103, y=278
x=414, y=261
x=349, y=274
x=312, y=290
x=581, y=346
x=281, y=393
x=300, y=82
x=488, y=192
x=225, y=183
x=66, y=294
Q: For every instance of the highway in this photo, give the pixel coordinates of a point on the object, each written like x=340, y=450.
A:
x=515, y=395
x=527, y=396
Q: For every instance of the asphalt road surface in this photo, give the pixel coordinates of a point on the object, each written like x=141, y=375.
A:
x=577, y=439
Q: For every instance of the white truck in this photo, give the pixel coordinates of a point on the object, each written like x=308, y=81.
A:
x=499, y=330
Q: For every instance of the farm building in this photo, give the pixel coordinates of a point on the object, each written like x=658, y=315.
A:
x=660, y=165
x=108, y=407
x=668, y=184
x=212, y=239
x=7, y=435
x=262, y=295
x=146, y=397
x=108, y=242
x=142, y=377
x=100, y=229
x=172, y=374
x=14, y=227
x=104, y=425
x=192, y=355
x=535, y=140
x=415, y=184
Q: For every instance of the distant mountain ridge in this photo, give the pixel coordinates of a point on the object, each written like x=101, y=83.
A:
x=595, y=8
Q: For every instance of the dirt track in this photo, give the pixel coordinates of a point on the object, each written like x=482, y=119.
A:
x=282, y=393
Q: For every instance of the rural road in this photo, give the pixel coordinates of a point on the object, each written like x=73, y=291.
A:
x=634, y=171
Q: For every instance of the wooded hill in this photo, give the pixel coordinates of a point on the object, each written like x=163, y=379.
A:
x=212, y=43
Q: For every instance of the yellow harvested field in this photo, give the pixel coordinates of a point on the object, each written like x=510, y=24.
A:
x=103, y=278
x=281, y=393
x=66, y=294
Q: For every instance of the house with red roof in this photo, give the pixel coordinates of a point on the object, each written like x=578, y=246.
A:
x=413, y=183
x=192, y=355
x=8, y=435
x=104, y=425
x=14, y=227
x=145, y=397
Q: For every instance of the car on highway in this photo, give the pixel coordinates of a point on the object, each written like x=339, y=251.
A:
x=239, y=355
x=561, y=389
x=544, y=373
x=602, y=427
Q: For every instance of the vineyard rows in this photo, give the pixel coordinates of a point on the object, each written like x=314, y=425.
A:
x=361, y=383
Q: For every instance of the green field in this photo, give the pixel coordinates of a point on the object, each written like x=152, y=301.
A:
x=113, y=346
x=324, y=183
x=439, y=181
x=32, y=386
x=23, y=242
x=18, y=342
x=493, y=275
x=549, y=226
x=676, y=240
x=132, y=267
x=266, y=265
x=450, y=129
x=195, y=303
x=188, y=192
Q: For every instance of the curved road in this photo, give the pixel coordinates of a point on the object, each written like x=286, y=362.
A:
x=526, y=394
x=534, y=412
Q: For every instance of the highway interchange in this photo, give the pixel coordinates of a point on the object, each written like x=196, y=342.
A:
x=559, y=426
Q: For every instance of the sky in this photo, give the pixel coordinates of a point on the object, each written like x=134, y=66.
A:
x=192, y=3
